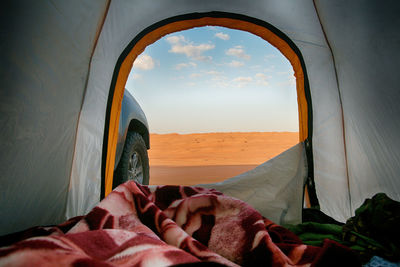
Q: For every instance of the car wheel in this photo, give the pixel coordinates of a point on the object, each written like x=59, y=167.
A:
x=134, y=162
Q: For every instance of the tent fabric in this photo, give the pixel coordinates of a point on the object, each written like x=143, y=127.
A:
x=365, y=42
x=45, y=54
x=57, y=66
x=275, y=188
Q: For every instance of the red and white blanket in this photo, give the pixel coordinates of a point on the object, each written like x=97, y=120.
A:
x=138, y=225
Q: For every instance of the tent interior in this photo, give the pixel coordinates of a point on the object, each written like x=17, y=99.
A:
x=65, y=64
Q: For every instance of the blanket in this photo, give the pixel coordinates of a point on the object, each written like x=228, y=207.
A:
x=138, y=225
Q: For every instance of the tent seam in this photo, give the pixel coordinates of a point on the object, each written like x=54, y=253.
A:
x=340, y=101
x=96, y=39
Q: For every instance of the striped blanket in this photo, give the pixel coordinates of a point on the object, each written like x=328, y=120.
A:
x=153, y=226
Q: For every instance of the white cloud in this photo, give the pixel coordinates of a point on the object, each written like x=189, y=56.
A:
x=179, y=45
x=175, y=39
x=255, y=67
x=242, y=81
x=289, y=81
x=185, y=65
x=237, y=51
x=213, y=72
x=136, y=76
x=222, y=36
x=235, y=64
x=195, y=75
x=175, y=78
x=292, y=79
x=284, y=72
x=262, y=78
x=269, y=56
x=144, y=62
x=219, y=78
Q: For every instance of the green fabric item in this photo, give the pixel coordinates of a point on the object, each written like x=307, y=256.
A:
x=376, y=226
x=374, y=230
x=312, y=233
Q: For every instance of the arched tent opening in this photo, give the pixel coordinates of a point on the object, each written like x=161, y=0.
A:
x=234, y=21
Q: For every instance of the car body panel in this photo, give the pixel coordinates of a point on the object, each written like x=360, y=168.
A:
x=132, y=118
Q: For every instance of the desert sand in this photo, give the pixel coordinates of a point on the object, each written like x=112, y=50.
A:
x=188, y=159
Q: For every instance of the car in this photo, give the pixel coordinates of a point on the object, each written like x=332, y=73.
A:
x=131, y=158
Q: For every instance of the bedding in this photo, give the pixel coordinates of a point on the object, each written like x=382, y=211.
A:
x=153, y=226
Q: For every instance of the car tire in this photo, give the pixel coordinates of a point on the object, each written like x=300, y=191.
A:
x=134, y=162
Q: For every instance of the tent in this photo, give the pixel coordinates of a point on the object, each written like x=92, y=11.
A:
x=64, y=65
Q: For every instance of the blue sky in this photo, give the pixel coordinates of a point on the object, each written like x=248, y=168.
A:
x=214, y=79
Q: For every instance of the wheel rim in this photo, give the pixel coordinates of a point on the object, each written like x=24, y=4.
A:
x=135, y=168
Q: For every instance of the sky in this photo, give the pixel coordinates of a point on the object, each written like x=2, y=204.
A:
x=214, y=79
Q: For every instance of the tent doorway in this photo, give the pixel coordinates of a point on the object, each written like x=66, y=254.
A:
x=183, y=22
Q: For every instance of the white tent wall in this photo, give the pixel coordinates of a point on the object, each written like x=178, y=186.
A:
x=365, y=43
x=45, y=53
x=297, y=19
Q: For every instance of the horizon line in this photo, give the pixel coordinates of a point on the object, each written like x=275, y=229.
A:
x=229, y=132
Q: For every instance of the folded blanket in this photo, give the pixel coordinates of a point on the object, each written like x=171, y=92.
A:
x=139, y=225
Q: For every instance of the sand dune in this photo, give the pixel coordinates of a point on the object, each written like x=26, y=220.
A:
x=210, y=157
x=191, y=175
